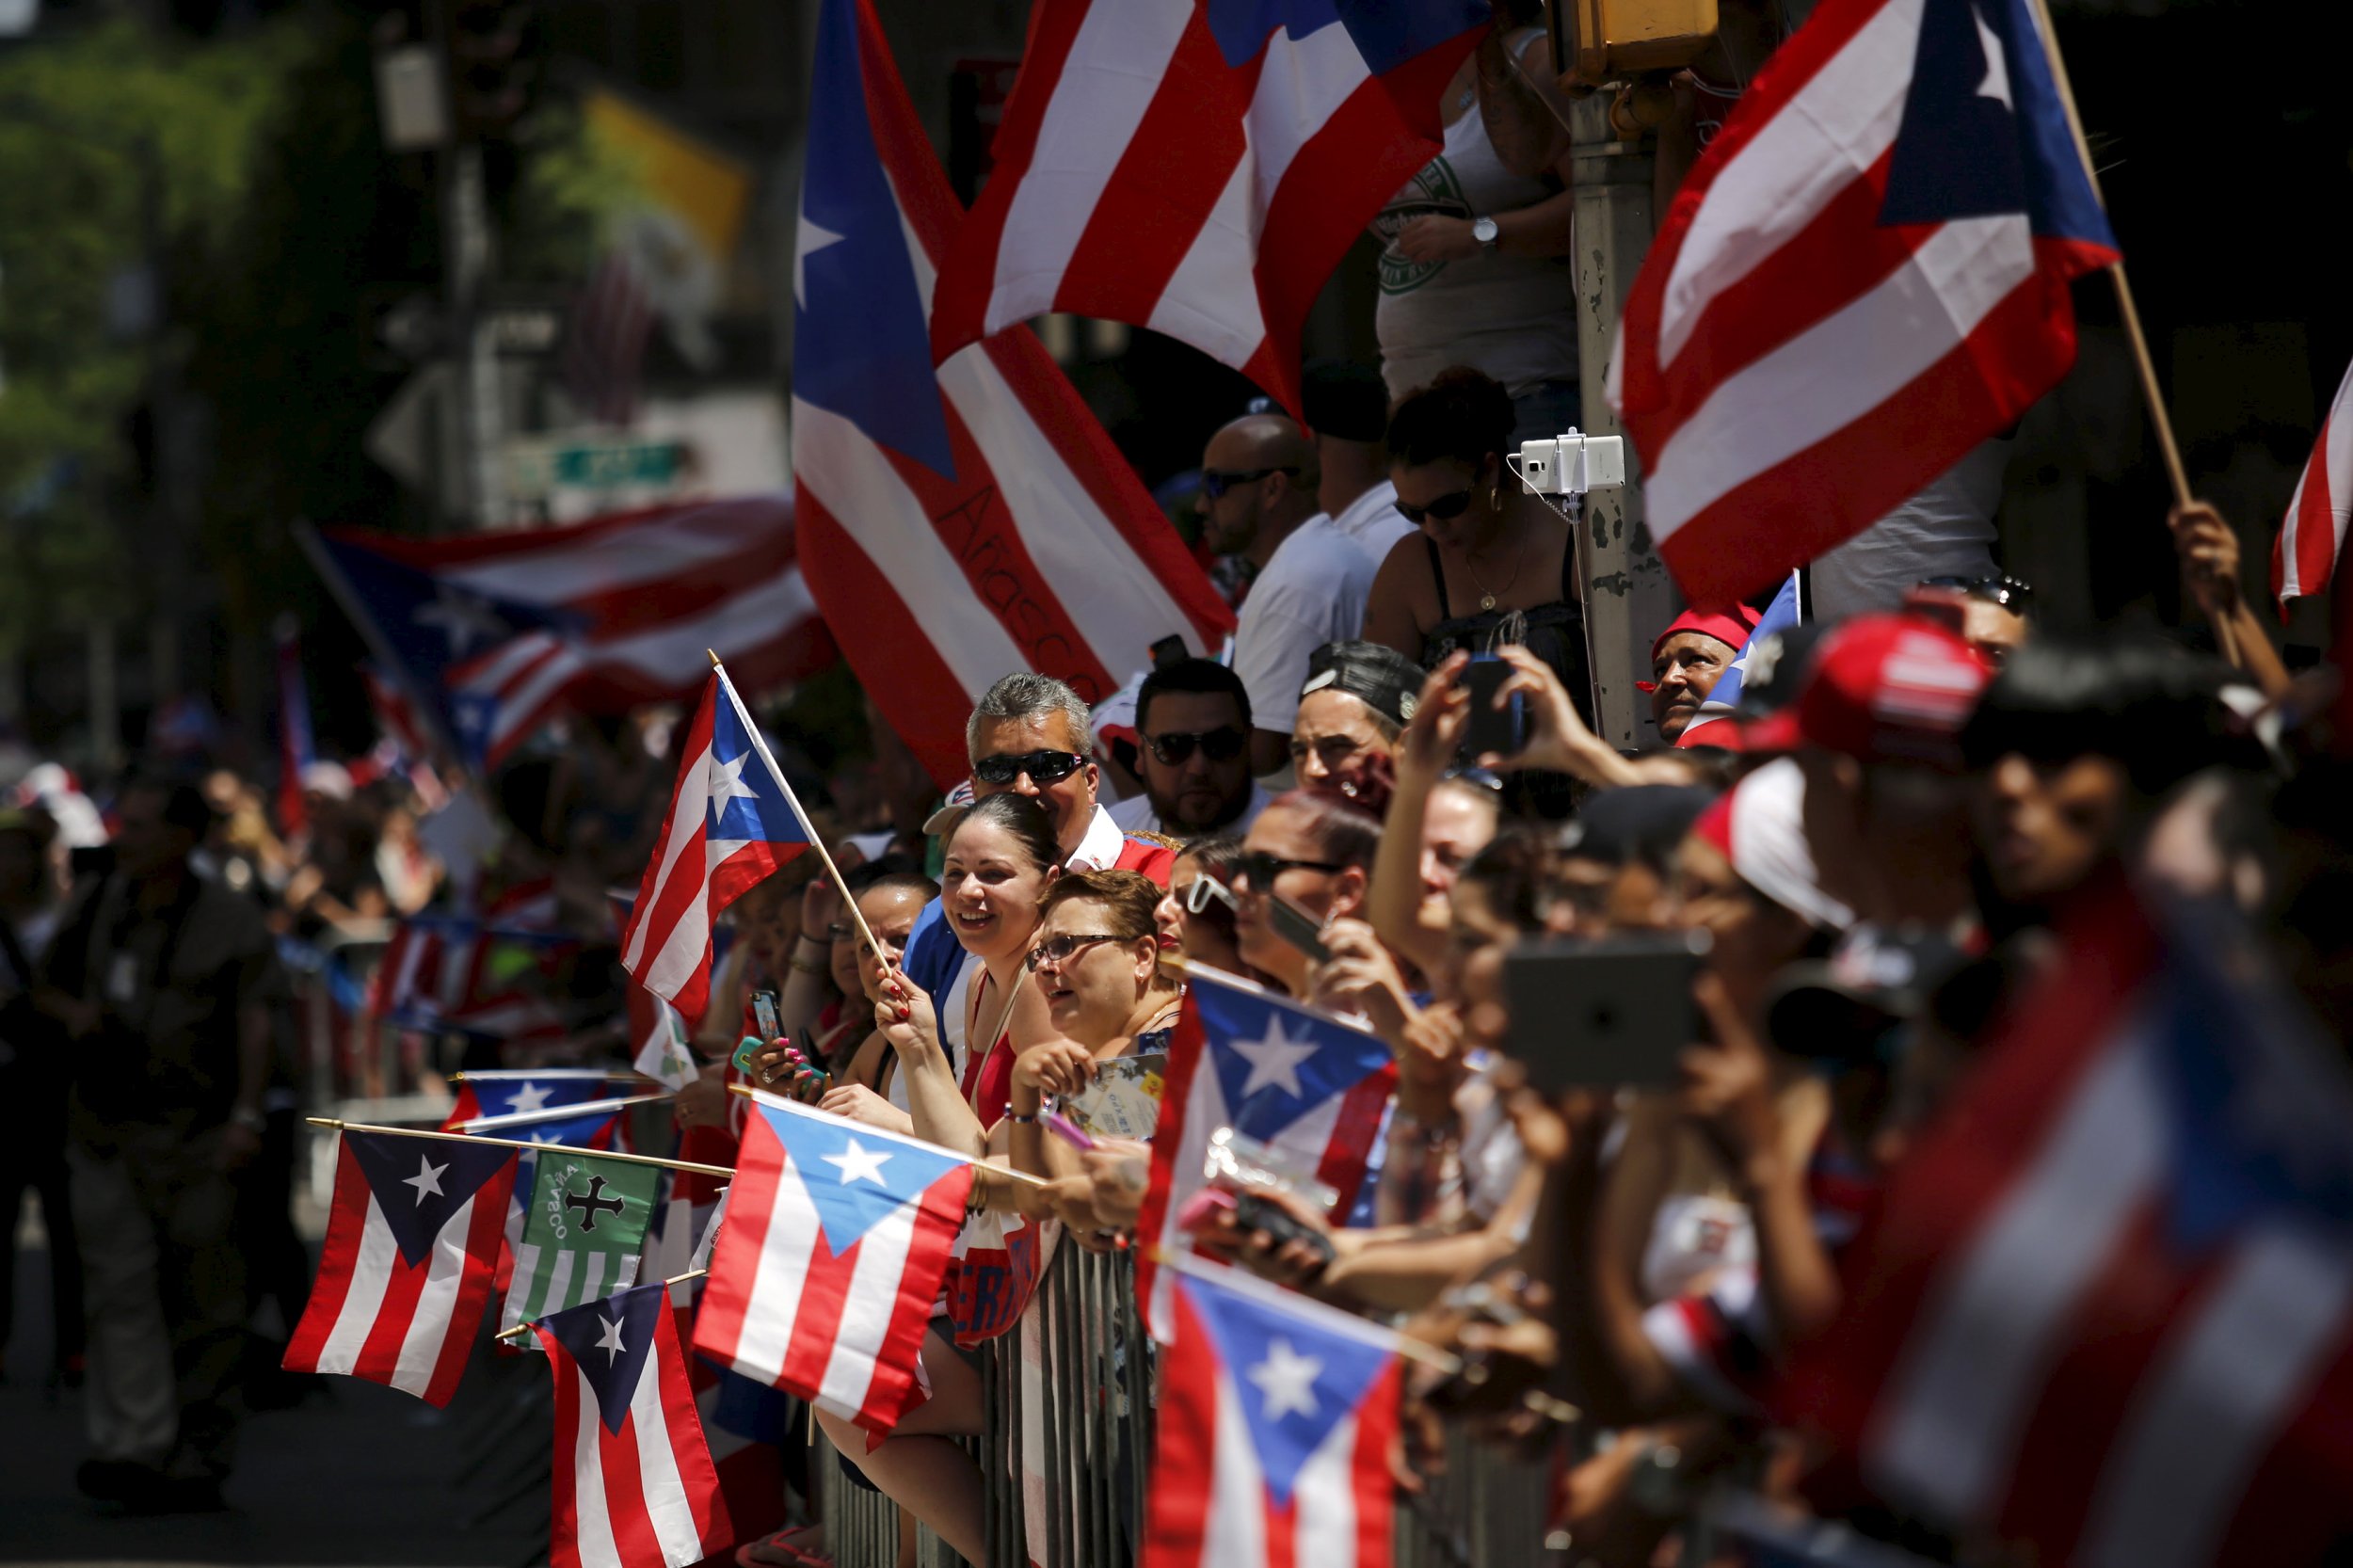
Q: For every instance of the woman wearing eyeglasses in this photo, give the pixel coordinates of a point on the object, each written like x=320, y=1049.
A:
x=1493, y=566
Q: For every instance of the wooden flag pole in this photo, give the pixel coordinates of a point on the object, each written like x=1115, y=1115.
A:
x=816, y=839
x=522, y=1329
x=624, y=1158
x=2175, y=474
x=979, y=1166
x=2151, y=393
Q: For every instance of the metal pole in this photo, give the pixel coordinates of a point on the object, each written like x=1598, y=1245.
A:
x=1628, y=594
x=474, y=373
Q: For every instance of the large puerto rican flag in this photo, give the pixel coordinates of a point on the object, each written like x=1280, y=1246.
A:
x=411, y=1242
x=1865, y=275
x=2304, y=557
x=732, y=821
x=1276, y=1418
x=1199, y=166
x=2107, y=1309
x=961, y=523
x=1312, y=1088
x=825, y=1273
x=495, y=633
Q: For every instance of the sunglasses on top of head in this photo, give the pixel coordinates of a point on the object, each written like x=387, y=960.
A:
x=1219, y=745
x=2007, y=592
x=1044, y=767
x=1215, y=482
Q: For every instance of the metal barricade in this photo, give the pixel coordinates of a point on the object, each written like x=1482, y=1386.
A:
x=1067, y=1417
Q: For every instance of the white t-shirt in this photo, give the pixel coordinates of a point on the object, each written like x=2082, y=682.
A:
x=1312, y=592
x=1135, y=815
x=1945, y=531
x=1373, y=520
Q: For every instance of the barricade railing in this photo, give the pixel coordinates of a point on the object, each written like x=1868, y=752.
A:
x=1067, y=1415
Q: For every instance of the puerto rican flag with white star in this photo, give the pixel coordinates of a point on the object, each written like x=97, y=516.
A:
x=823, y=1280
x=1312, y=1087
x=412, y=1243
x=634, y=1484
x=1275, y=1417
x=732, y=821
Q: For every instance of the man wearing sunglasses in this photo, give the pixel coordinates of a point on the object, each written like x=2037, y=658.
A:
x=1194, y=718
x=1259, y=483
x=1033, y=735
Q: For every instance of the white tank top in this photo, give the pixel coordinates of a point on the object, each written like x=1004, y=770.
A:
x=1513, y=317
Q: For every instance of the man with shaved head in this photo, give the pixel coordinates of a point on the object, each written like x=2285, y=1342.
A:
x=1258, y=481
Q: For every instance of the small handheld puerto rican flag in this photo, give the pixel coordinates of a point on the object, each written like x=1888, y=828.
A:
x=406, y=1271
x=1276, y=1417
x=732, y=821
x=1302, y=1082
x=824, y=1274
x=634, y=1485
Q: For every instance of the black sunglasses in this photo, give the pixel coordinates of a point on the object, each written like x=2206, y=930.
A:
x=1261, y=869
x=1215, y=482
x=2007, y=592
x=1044, y=767
x=1059, y=950
x=1218, y=745
x=1444, y=507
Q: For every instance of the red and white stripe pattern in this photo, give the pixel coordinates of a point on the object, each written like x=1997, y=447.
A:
x=2304, y=557
x=648, y=590
x=1276, y=1414
x=825, y=1271
x=1044, y=553
x=605, y=339
x=1144, y=175
x=2047, y=1342
x=634, y=1484
x=406, y=1269
x=1790, y=366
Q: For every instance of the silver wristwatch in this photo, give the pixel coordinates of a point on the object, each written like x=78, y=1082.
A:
x=1487, y=233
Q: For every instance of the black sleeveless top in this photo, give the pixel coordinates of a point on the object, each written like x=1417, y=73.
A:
x=1554, y=633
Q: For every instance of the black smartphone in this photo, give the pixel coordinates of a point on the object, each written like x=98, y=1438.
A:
x=1254, y=1212
x=1297, y=927
x=1604, y=1012
x=1502, y=730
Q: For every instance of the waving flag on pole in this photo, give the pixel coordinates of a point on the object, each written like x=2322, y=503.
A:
x=1199, y=166
x=1309, y=1086
x=961, y=522
x=732, y=821
x=583, y=1232
x=404, y=1272
x=2304, y=557
x=825, y=1271
x=1864, y=275
x=634, y=1485
x=1724, y=698
x=1275, y=1417
x=2106, y=1308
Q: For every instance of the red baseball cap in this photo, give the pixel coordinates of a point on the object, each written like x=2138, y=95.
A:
x=1729, y=627
x=1882, y=689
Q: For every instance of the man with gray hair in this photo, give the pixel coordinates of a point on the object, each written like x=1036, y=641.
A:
x=1030, y=734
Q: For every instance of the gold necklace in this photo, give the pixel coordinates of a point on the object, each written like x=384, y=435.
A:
x=1487, y=600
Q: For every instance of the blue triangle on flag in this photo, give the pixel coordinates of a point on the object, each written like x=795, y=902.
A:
x=1275, y=1062
x=612, y=1342
x=855, y=1176
x=861, y=345
x=1293, y=1378
x=746, y=803
x=1984, y=133
x=420, y=1182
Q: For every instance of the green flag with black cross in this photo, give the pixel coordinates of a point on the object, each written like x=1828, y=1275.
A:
x=582, y=1233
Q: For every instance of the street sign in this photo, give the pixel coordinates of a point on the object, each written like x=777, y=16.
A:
x=536, y=469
